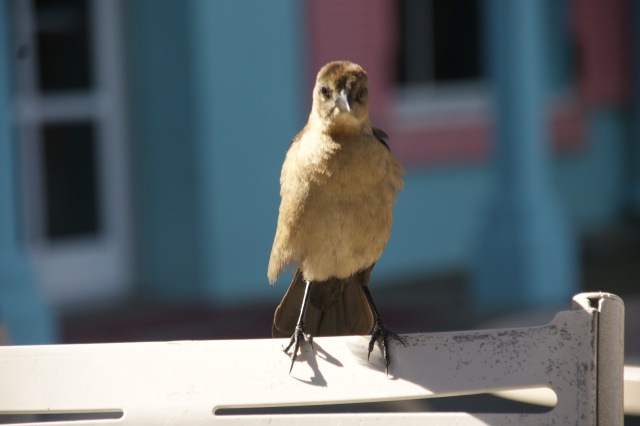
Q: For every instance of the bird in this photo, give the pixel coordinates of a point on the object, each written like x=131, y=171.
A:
x=338, y=184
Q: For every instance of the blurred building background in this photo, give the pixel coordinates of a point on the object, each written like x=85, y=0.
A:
x=141, y=143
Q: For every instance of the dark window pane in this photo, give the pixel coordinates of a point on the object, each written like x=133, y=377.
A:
x=64, y=45
x=439, y=41
x=415, y=57
x=70, y=179
x=456, y=39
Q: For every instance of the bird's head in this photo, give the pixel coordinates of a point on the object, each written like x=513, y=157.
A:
x=340, y=97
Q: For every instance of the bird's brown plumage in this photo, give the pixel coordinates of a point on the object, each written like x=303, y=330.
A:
x=337, y=187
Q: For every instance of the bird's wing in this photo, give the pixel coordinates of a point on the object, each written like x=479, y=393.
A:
x=287, y=218
x=336, y=307
x=381, y=136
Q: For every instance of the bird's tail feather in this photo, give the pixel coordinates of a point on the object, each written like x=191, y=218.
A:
x=337, y=307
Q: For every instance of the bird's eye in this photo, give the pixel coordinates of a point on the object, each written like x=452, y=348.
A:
x=363, y=92
x=325, y=91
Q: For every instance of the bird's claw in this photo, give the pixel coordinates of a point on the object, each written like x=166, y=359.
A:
x=298, y=334
x=380, y=331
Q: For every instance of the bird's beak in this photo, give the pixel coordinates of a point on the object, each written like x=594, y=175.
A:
x=342, y=101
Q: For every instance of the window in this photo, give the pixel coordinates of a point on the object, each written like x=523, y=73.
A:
x=69, y=179
x=64, y=45
x=60, y=121
x=70, y=115
x=440, y=42
x=428, y=71
x=439, y=65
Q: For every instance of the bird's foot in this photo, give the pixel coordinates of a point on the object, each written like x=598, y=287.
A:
x=380, y=331
x=299, y=335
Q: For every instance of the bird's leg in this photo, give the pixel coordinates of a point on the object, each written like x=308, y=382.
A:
x=300, y=332
x=381, y=331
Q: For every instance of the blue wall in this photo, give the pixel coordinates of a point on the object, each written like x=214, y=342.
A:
x=441, y=213
x=22, y=311
x=165, y=184
x=437, y=221
x=248, y=69
x=218, y=92
x=592, y=180
x=216, y=101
